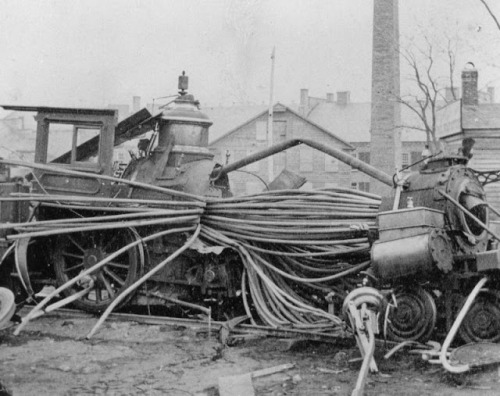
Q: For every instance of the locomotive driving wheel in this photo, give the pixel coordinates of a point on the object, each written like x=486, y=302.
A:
x=76, y=252
x=413, y=317
x=482, y=322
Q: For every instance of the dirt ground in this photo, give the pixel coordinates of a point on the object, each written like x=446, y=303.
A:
x=125, y=358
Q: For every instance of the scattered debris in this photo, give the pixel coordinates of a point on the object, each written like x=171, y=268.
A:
x=272, y=370
x=227, y=327
x=64, y=367
x=296, y=378
x=241, y=384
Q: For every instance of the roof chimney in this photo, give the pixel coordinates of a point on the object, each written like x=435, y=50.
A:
x=469, y=85
x=304, y=97
x=343, y=98
x=491, y=93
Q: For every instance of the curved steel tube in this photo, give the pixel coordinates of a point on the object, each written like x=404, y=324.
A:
x=454, y=328
x=334, y=152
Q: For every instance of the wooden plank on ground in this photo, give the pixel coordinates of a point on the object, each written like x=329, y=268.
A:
x=241, y=385
x=272, y=370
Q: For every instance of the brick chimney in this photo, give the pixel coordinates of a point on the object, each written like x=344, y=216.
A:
x=385, y=146
x=470, y=96
x=304, y=102
x=343, y=98
x=304, y=97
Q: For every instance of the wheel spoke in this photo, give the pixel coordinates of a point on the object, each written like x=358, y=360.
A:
x=76, y=252
x=108, y=287
x=76, y=243
x=73, y=267
x=77, y=256
x=114, y=276
x=118, y=265
x=98, y=298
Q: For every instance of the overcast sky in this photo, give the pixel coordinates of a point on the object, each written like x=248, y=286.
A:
x=94, y=52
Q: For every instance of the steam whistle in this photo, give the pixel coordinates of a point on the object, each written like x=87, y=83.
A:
x=183, y=83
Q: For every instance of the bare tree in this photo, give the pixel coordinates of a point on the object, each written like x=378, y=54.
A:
x=431, y=58
x=427, y=96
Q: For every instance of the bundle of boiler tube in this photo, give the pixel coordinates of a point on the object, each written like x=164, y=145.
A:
x=297, y=247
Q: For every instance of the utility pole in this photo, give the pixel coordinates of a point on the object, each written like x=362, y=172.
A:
x=270, y=160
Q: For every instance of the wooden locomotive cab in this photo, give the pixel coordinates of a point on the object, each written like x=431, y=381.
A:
x=74, y=139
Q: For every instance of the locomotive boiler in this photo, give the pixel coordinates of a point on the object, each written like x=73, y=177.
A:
x=434, y=244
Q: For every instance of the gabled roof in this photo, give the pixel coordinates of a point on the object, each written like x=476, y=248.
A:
x=261, y=113
x=352, y=122
x=482, y=116
x=226, y=119
x=348, y=123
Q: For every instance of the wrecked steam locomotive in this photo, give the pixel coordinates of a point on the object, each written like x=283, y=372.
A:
x=99, y=238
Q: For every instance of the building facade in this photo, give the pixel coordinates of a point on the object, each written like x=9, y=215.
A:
x=475, y=116
x=319, y=169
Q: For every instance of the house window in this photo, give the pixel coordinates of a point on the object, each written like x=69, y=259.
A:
x=364, y=156
x=361, y=186
x=364, y=186
x=261, y=130
x=405, y=159
x=120, y=156
x=331, y=164
x=306, y=159
x=279, y=128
